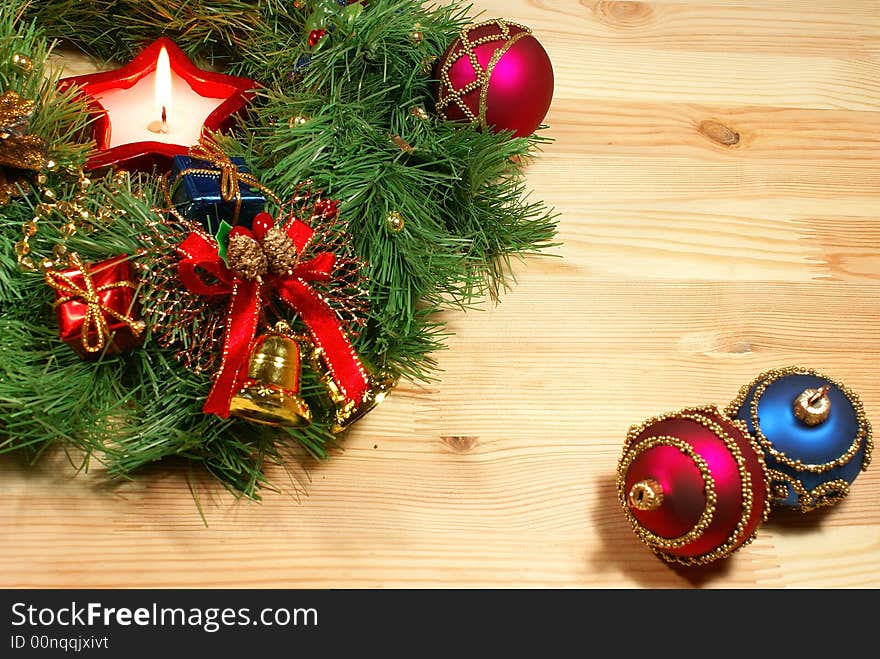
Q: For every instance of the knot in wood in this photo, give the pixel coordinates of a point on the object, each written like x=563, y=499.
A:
x=718, y=132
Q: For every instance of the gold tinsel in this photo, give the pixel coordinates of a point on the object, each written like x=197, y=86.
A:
x=246, y=257
x=280, y=251
x=19, y=152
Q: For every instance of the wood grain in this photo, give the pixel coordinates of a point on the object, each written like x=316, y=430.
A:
x=717, y=171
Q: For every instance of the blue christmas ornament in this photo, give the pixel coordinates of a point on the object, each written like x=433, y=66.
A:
x=813, y=431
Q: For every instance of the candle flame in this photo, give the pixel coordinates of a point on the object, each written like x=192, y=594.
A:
x=163, y=84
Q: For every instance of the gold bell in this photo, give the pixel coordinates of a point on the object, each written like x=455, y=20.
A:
x=344, y=412
x=271, y=392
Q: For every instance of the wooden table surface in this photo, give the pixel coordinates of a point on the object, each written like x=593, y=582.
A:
x=717, y=171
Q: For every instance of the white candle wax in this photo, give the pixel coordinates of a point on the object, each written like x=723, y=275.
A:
x=132, y=110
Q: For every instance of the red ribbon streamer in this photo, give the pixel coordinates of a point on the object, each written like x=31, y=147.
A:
x=246, y=301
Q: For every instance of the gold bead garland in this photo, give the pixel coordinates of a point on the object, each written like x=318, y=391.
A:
x=77, y=217
x=21, y=154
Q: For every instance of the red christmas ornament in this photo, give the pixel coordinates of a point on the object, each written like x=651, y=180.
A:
x=693, y=485
x=496, y=75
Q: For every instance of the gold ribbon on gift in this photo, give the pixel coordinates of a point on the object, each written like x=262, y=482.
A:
x=230, y=178
x=96, y=312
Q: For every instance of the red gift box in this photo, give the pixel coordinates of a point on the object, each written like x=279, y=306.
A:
x=96, y=306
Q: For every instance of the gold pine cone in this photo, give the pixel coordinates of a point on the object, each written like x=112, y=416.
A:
x=280, y=251
x=246, y=258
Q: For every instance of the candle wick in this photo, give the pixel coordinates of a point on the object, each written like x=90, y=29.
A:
x=160, y=126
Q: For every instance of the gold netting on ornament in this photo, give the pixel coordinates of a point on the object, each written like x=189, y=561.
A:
x=190, y=325
x=448, y=95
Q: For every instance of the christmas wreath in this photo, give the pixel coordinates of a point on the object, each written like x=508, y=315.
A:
x=262, y=284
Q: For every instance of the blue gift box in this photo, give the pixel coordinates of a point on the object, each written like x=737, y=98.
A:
x=197, y=196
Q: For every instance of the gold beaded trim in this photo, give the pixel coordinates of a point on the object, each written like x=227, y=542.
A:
x=708, y=513
x=732, y=541
x=768, y=377
x=636, y=430
x=449, y=94
x=77, y=217
x=744, y=429
x=822, y=495
x=697, y=414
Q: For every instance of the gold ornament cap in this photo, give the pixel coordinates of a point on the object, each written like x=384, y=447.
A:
x=813, y=406
x=646, y=494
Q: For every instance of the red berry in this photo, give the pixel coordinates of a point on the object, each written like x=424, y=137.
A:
x=327, y=208
x=315, y=36
x=261, y=224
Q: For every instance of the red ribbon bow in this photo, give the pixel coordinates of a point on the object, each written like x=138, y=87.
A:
x=246, y=300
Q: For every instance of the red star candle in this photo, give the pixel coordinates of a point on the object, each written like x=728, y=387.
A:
x=693, y=485
x=157, y=107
